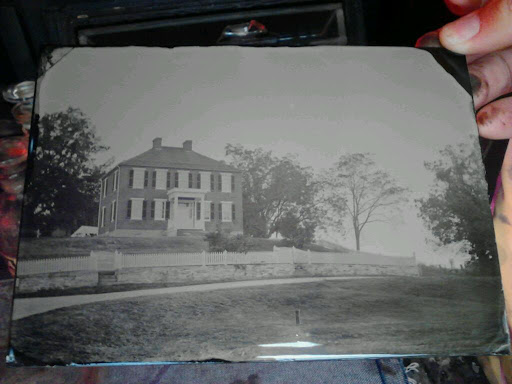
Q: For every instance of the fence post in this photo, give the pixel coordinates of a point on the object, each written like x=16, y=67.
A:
x=93, y=261
x=225, y=255
x=309, y=256
x=117, y=260
x=204, y=258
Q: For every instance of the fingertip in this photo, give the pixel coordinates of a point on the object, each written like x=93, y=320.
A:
x=495, y=120
x=462, y=7
x=429, y=40
x=457, y=36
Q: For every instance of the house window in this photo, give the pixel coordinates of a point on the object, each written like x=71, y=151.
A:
x=153, y=180
x=105, y=184
x=138, y=178
x=144, y=208
x=103, y=212
x=160, y=179
x=116, y=180
x=220, y=211
x=136, y=209
x=113, y=211
x=146, y=178
x=198, y=181
x=204, y=180
x=169, y=180
x=232, y=183
x=212, y=182
x=130, y=183
x=184, y=178
x=158, y=209
x=129, y=210
x=176, y=179
x=190, y=180
x=207, y=209
x=198, y=210
x=219, y=186
x=226, y=183
x=226, y=210
x=212, y=211
x=233, y=214
x=167, y=210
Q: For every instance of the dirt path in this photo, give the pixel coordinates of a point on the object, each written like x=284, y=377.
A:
x=35, y=305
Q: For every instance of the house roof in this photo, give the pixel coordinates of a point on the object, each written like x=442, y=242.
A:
x=177, y=157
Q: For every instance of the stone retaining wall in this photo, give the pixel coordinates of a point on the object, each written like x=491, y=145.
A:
x=254, y=271
x=210, y=273
x=57, y=280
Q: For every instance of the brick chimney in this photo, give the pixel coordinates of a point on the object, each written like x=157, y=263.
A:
x=187, y=145
x=157, y=142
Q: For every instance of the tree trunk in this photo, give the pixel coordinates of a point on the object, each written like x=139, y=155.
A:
x=357, y=233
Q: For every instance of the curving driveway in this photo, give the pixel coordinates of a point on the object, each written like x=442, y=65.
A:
x=35, y=305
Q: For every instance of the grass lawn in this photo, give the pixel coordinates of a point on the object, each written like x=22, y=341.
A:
x=48, y=247
x=406, y=315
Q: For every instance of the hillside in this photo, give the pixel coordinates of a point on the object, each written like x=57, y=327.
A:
x=32, y=248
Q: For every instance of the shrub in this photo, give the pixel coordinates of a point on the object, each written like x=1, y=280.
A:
x=220, y=242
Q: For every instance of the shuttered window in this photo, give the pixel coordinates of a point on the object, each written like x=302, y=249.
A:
x=137, y=211
x=226, y=211
x=139, y=179
x=129, y=210
x=113, y=211
x=198, y=210
x=207, y=210
x=116, y=181
x=103, y=213
x=159, y=209
x=212, y=182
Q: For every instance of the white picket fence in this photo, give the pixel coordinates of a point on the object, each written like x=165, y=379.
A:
x=67, y=264
x=279, y=255
x=201, y=258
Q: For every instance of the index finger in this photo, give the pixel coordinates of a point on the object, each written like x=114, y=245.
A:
x=485, y=30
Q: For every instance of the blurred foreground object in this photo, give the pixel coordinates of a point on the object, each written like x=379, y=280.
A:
x=14, y=137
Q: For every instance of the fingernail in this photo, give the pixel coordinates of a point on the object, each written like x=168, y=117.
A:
x=476, y=83
x=429, y=40
x=462, y=30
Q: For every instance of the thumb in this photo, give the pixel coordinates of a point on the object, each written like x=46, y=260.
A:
x=485, y=30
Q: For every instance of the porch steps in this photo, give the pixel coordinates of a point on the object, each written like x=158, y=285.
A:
x=191, y=232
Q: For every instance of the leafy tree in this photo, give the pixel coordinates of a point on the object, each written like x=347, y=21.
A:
x=297, y=232
x=274, y=190
x=457, y=208
x=355, y=189
x=63, y=189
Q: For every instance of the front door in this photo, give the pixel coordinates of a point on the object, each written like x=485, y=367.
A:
x=185, y=215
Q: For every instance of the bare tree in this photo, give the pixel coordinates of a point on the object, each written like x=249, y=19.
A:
x=356, y=190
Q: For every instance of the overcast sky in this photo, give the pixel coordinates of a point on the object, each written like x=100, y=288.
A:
x=317, y=103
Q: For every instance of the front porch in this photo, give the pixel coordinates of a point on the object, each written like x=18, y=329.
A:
x=185, y=211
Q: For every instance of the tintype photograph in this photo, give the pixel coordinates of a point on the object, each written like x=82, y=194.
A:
x=254, y=204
